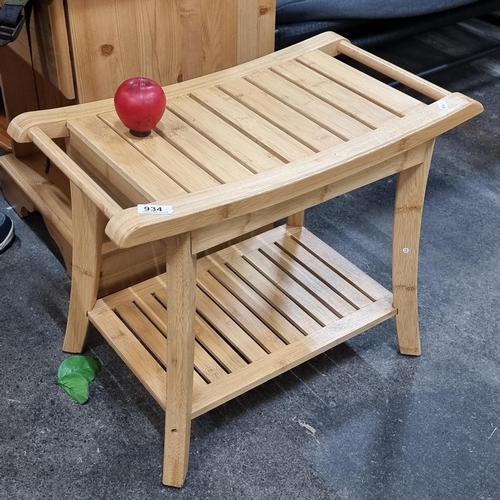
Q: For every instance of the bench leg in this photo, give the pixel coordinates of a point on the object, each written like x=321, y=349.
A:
x=88, y=231
x=410, y=193
x=181, y=304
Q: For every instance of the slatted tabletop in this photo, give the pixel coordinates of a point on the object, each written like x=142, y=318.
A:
x=244, y=126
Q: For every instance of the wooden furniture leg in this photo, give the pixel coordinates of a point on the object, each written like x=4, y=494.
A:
x=181, y=306
x=88, y=224
x=14, y=195
x=296, y=220
x=410, y=194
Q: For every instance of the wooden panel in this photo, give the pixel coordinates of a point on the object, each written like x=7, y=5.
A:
x=256, y=28
x=138, y=175
x=167, y=40
x=254, y=126
x=318, y=268
x=5, y=142
x=257, y=304
x=24, y=90
x=239, y=313
x=212, y=159
x=49, y=45
x=314, y=283
x=329, y=117
x=176, y=172
x=238, y=145
x=279, y=114
x=390, y=98
x=219, y=286
x=363, y=110
x=271, y=280
x=115, y=40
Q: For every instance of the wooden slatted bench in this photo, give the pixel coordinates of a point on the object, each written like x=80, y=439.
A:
x=235, y=152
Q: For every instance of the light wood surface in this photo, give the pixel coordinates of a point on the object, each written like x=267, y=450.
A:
x=410, y=194
x=181, y=300
x=167, y=40
x=49, y=49
x=233, y=153
x=86, y=265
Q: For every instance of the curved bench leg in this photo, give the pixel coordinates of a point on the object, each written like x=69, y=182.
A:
x=88, y=231
x=181, y=306
x=410, y=193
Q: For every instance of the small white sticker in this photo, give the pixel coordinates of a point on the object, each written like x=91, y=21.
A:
x=154, y=209
x=442, y=105
x=406, y=250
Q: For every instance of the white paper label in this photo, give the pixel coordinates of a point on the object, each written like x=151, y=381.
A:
x=442, y=105
x=154, y=209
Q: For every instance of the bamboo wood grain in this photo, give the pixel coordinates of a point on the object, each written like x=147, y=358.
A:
x=324, y=252
x=228, y=328
x=211, y=159
x=317, y=288
x=391, y=99
x=260, y=130
x=410, y=193
x=254, y=301
x=367, y=112
x=290, y=356
x=244, y=376
x=138, y=174
x=225, y=355
x=265, y=189
x=324, y=271
x=181, y=299
x=282, y=116
x=87, y=248
x=156, y=314
x=238, y=145
x=151, y=336
x=53, y=121
x=329, y=117
x=130, y=350
x=290, y=286
x=240, y=314
x=79, y=178
x=169, y=169
x=209, y=236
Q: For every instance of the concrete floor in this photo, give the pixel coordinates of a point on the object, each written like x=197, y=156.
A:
x=386, y=426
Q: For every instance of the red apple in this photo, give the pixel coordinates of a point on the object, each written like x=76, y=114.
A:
x=140, y=103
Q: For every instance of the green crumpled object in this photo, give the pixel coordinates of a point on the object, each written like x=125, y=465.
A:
x=74, y=375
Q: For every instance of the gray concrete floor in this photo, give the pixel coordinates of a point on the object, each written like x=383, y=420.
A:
x=386, y=426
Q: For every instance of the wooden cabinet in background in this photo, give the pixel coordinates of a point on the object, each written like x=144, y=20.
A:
x=83, y=49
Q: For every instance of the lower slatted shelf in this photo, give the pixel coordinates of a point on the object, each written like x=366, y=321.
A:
x=263, y=306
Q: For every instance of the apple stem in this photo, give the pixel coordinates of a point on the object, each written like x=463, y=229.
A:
x=136, y=133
